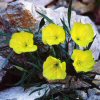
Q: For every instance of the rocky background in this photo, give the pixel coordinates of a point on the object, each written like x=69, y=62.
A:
x=9, y=13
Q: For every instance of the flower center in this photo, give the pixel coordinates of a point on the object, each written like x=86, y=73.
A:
x=79, y=62
x=25, y=45
x=56, y=37
x=77, y=39
x=57, y=64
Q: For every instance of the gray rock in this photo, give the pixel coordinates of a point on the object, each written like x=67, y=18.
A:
x=97, y=79
x=93, y=94
x=94, y=97
x=82, y=94
x=18, y=93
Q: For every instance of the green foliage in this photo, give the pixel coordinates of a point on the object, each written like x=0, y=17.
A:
x=97, y=2
x=20, y=68
x=4, y=42
x=65, y=27
x=90, y=44
x=44, y=16
x=5, y=34
x=60, y=94
x=42, y=23
x=69, y=12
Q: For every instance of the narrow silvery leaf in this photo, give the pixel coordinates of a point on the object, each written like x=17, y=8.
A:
x=69, y=12
x=21, y=69
x=44, y=16
x=42, y=22
x=65, y=26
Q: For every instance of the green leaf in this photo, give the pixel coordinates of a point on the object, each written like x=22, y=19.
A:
x=52, y=51
x=75, y=46
x=69, y=13
x=90, y=44
x=20, y=68
x=37, y=90
x=34, y=65
x=23, y=78
x=39, y=59
x=31, y=55
x=4, y=41
x=65, y=27
x=44, y=16
x=97, y=3
x=5, y=34
x=25, y=29
x=42, y=23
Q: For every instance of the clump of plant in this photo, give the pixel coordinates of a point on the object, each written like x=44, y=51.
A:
x=50, y=58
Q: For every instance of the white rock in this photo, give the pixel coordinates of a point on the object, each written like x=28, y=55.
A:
x=18, y=93
x=97, y=79
x=93, y=94
x=94, y=97
x=93, y=91
x=41, y=2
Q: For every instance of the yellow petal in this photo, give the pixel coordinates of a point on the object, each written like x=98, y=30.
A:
x=22, y=42
x=82, y=34
x=53, y=34
x=83, y=60
x=53, y=69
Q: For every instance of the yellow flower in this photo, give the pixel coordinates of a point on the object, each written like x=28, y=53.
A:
x=83, y=60
x=22, y=42
x=54, y=69
x=82, y=34
x=53, y=34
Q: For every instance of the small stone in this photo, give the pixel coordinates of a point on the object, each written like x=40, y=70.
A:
x=97, y=67
x=94, y=97
x=93, y=94
x=97, y=79
x=82, y=94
